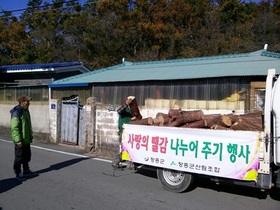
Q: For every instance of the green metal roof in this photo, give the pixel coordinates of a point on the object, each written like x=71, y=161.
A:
x=246, y=64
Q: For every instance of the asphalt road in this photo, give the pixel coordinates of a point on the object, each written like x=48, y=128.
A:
x=70, y=180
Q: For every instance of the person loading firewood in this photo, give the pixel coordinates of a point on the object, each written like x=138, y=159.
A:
x=129, y=111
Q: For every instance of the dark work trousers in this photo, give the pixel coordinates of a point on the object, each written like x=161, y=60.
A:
x=22, y=156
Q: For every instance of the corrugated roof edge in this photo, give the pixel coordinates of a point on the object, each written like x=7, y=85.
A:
x=81, y=84
x=271, y=54
x=89, y=73
x=43, y=65
x=259, y=52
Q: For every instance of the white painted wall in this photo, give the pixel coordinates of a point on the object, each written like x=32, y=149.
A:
x=39, y=117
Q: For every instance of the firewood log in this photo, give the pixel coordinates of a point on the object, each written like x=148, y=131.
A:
x=211, y=119
x=257, y=121
x=159, y=120
x=192, y=116
x=242, y=124
x=196, y=124
x=219, y=127
x=234, y=118
x=254, y=119
x=173, y=112
x=144, y=121
x=224, y=121
x=135, y=109
x=177, y=122
x=166, y=117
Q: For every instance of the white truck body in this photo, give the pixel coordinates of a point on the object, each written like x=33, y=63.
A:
x=218, y=153
x=244, y=157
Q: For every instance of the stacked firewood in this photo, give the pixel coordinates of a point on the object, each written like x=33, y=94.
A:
x=197, y=119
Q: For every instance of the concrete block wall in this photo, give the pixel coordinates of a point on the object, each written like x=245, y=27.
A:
x=106, y=132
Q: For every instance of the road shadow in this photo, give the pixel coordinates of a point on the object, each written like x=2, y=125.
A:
x=7, y=184
x=147, y=171
x=274, y=193
x=231, y=188
x=61, y=165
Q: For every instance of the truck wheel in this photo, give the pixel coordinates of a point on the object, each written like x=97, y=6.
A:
x=174, y=181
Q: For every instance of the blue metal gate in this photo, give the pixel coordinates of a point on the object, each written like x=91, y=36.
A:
x=72, y=121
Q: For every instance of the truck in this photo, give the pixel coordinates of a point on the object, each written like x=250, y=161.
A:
x=180, y=155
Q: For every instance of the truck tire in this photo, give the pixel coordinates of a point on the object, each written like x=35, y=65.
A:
x=174, y=181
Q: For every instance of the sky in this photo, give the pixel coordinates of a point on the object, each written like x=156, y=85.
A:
x=9, y=5
x=15, y=4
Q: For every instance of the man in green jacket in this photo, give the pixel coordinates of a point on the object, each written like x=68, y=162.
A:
x=21, y=131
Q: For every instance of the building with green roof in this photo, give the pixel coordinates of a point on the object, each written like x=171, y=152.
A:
x=212, y=78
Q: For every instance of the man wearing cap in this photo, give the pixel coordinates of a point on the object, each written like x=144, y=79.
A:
x=129, y=111
x=21, y=132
